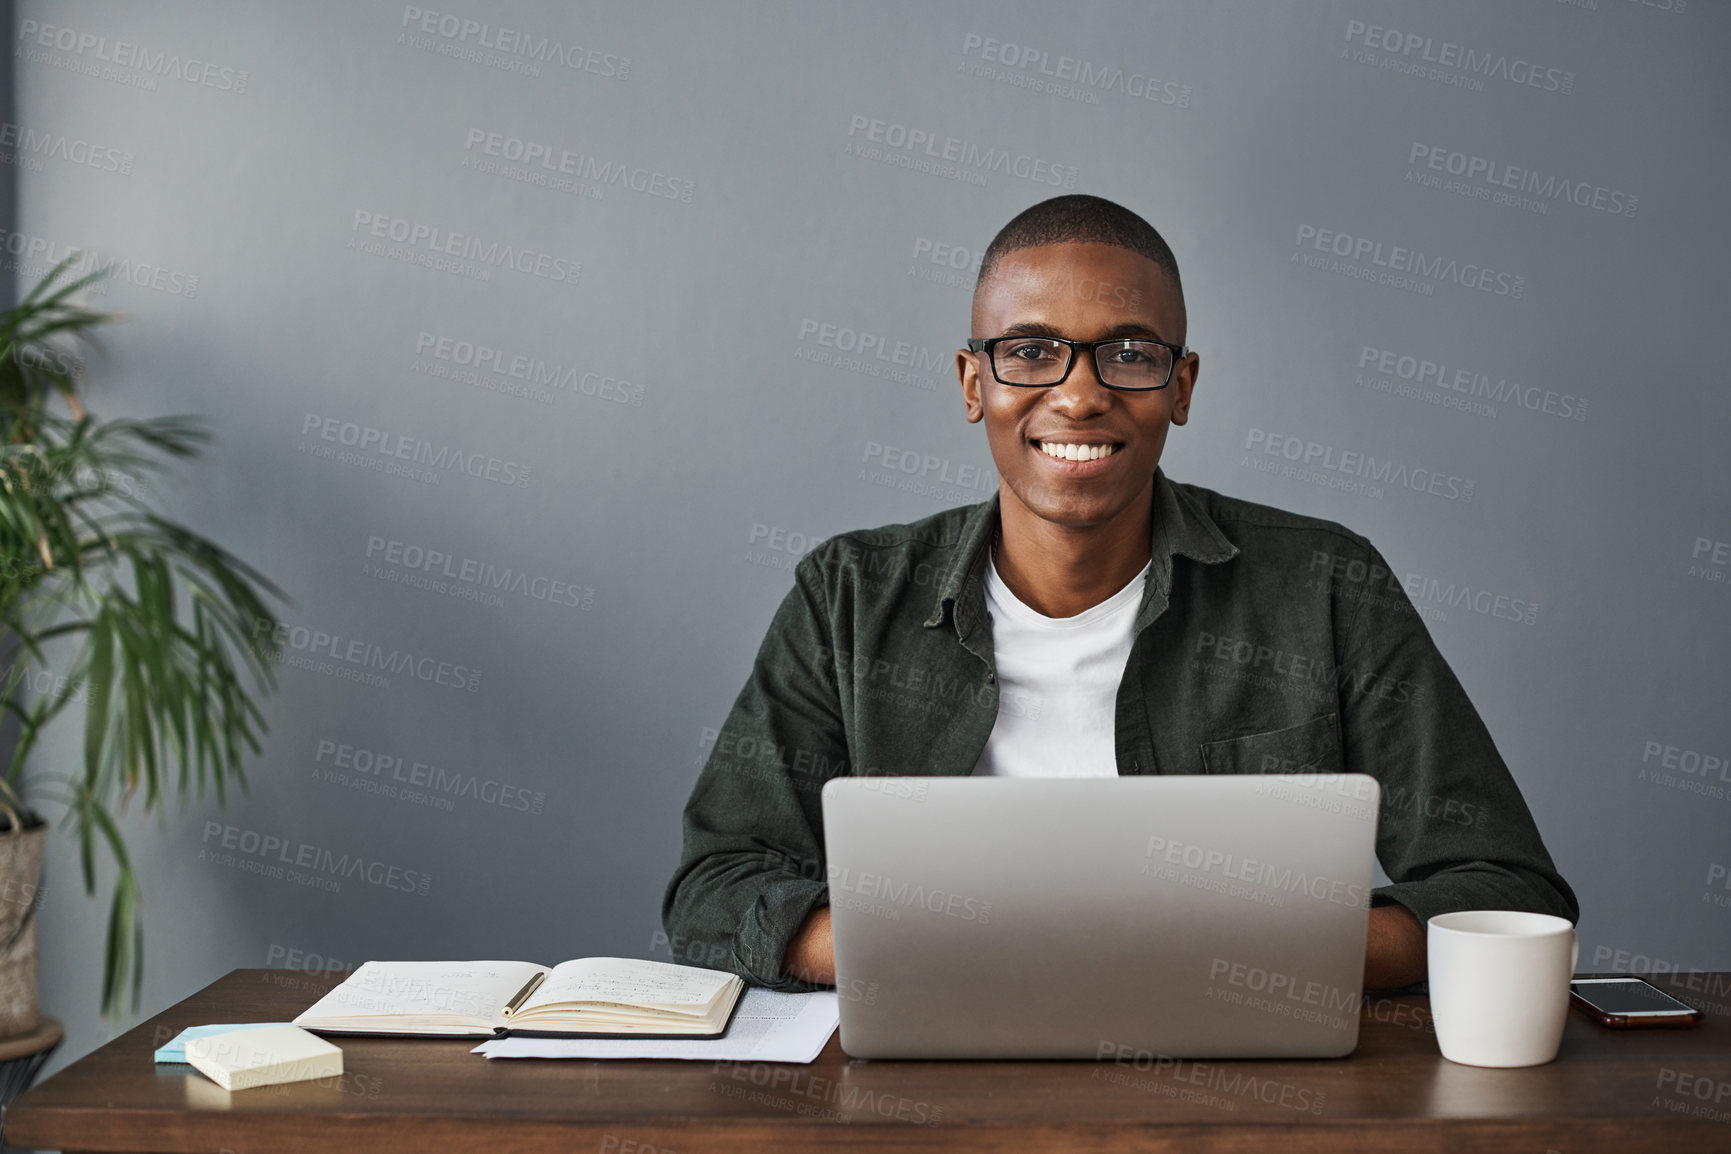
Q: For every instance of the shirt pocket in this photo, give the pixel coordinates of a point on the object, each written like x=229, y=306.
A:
x=1309, y=747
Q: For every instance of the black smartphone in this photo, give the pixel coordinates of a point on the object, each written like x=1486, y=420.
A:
x=1626, y=1003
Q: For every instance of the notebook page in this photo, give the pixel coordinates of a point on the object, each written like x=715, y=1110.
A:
x=472, y=989
x=631, y=982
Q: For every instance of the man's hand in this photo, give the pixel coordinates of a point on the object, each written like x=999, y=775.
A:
x=811, y=954
x=1394, y=951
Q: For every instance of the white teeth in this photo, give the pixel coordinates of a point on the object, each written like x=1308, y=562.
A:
x=1077, y=452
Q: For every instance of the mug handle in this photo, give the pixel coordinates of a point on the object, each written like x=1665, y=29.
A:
x=1574, y=951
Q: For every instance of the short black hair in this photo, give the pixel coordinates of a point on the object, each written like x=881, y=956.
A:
x=1079, y=218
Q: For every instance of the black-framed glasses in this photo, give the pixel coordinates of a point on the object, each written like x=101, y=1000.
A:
x=1133, y=365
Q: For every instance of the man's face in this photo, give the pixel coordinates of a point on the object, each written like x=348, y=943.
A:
x=1084, y=292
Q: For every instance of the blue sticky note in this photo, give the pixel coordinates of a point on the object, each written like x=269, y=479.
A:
x=175, y=1051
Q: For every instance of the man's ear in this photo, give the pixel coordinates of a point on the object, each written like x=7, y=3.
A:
x=1183, y=383
x=968, y=372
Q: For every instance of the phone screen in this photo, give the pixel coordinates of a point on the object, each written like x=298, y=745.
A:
x=1629, y=996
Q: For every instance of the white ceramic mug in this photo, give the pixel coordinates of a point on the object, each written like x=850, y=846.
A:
x=1499, y=985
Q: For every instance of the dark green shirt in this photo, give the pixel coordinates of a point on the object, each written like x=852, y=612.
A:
x=1266, y=642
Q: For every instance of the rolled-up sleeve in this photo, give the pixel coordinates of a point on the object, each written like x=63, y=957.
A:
x=1455, y=833
x=752, y=867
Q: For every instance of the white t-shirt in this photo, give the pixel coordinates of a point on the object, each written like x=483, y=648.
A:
x=1058, y=683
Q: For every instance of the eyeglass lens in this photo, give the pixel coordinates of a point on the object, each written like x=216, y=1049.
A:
x=1127, y=364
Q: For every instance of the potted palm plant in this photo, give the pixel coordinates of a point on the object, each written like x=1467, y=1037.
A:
x=153, y=638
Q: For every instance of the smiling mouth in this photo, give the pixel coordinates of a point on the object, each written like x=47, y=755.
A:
x=1073, y=451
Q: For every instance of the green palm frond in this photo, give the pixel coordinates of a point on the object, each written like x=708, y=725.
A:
x=166, y=637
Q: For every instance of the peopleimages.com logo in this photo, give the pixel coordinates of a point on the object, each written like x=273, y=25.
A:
x=435, y=246
x=23, y=140
x=471, y=571
x=462, y=37
x=545, y=160
x=1067, y=77
x=1409, y=267
x=1515, y=185
x=327, y=652
x=284, y=858
x=439, y=459
x=1358, y=468
x=1463, y=388
x=926, y=143
x=35, y=255
x=1462, y=65
x=97, y=55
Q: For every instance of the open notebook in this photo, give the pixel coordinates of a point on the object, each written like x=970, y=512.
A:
x=610, y=997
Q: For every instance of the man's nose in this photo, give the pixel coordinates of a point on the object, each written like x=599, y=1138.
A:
x=1081, y=393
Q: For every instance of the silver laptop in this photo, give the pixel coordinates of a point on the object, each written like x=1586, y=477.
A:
x=1117, y=918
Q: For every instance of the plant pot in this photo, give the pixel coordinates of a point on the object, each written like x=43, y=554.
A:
x=21, y=846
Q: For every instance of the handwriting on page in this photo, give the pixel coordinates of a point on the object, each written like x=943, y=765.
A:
x=631, y=982
x=475, y=988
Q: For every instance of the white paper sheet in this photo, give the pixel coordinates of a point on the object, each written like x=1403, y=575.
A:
x=768, y=1026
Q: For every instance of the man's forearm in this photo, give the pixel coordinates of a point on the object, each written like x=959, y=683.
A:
x=811, y=954
x=1394, y=948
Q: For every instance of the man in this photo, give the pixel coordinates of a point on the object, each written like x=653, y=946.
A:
x=1093, y=619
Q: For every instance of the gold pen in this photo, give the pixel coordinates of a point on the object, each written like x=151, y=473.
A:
x=529, y=987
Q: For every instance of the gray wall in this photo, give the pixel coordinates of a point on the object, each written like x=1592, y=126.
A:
x=669, y=418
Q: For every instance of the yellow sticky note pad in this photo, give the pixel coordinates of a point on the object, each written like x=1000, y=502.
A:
x=263, y=1057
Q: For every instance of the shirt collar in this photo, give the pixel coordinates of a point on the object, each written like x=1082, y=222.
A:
x=1181, y=528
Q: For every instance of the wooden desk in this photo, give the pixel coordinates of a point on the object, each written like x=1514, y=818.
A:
x=1610, y=1091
